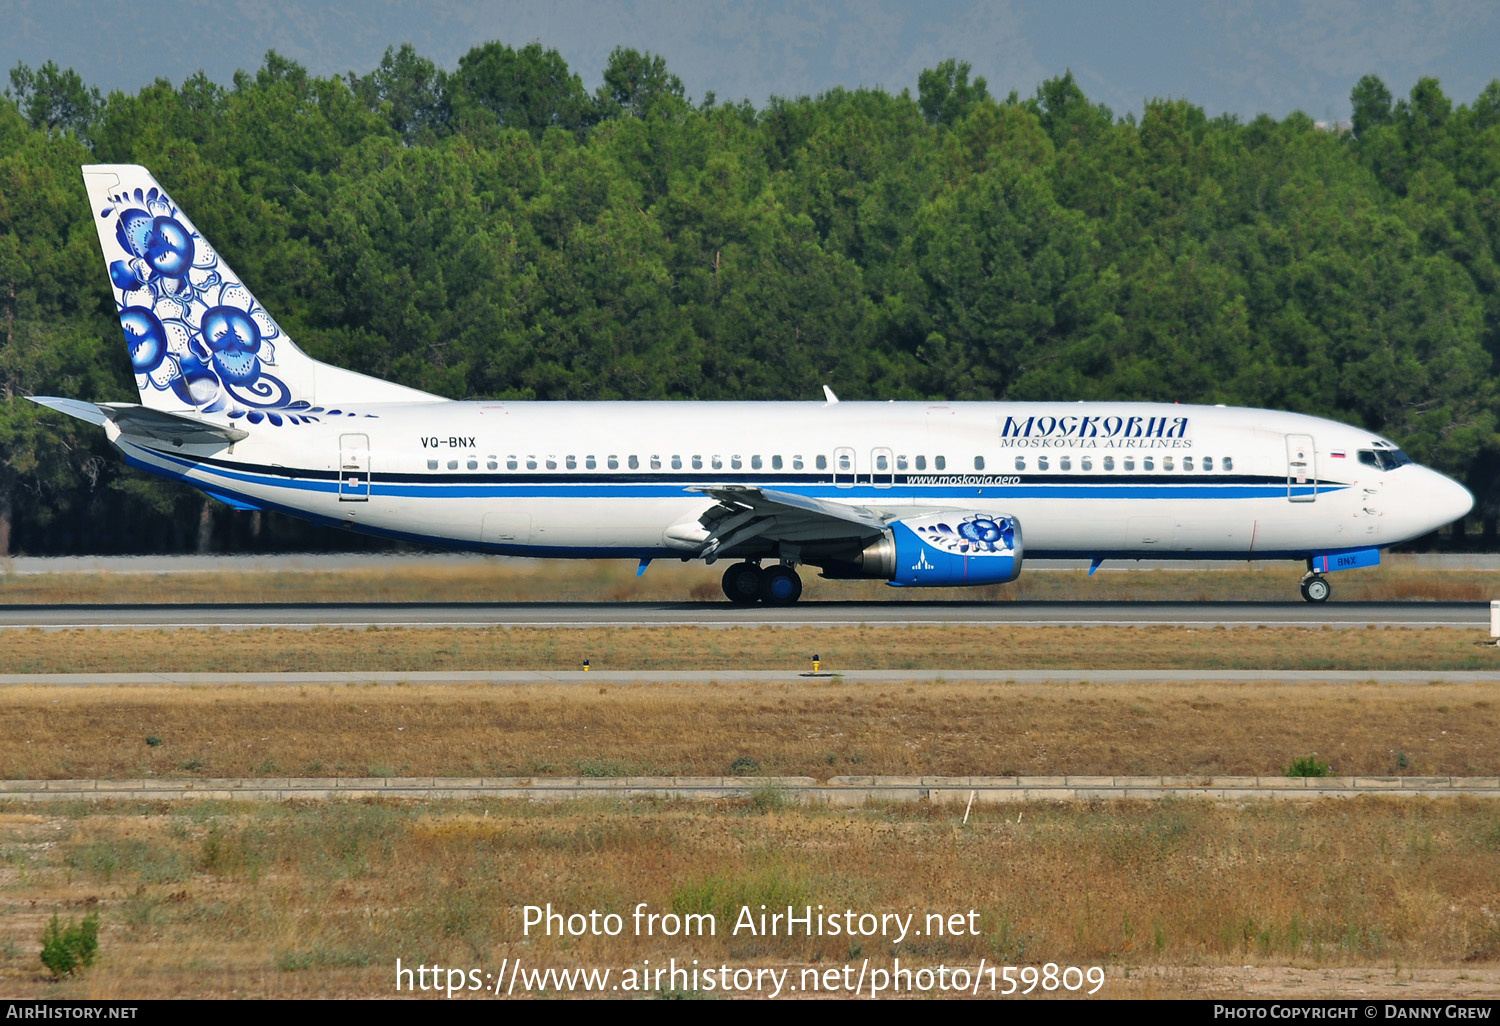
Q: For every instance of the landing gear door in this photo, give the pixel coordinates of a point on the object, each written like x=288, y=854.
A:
x=1301, y=469
x=354, y=468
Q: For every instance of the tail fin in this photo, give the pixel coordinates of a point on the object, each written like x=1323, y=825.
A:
x=199, y=342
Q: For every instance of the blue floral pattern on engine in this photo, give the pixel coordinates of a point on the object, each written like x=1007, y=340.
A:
x=976, y=535
x=190, y=326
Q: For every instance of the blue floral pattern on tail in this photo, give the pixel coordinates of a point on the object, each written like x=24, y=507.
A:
x=190, y=327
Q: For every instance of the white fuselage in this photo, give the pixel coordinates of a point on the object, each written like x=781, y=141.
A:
x=620, y=479
x=920, y=494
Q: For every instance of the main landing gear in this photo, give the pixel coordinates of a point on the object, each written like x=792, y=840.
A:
x=747, y=583
x=1315, y=588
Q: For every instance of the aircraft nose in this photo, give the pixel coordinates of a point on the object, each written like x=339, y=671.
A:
x=1449, y=500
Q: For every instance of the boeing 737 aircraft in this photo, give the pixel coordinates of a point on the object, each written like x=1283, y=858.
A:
x=919, y=494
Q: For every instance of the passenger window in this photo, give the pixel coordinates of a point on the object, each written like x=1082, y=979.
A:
x=940, y=463
x=572, y=463
x=921, y=462
x=1041, y=463
x=510, y=463
x=697, y=462
x=590, y=463
x=551, y=462
x=432, y=464
x=1129, y=462
x=453, y=464
x=716, y=461
x=492, y=464
x=656, y=463
x=978, y=462
x=900, y=462
x=734, y=462
x=1187, y=463
x=882, y=462
x=844, y=462
x=775, y=462
x=796, y=462
x=1086, y=463
x=1109, y=463
x=1208, y=463
x=635, y=463
x=1166, y=463
x=754, y=462
x=1065, y=463
x=613, y=463
x=1228, y=462
x=822, y=462
x=1148, y=463
x=1020, y=462
x=473, y=464
x=531, y=463
x=676, y=462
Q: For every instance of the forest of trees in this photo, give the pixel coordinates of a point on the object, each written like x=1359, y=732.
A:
x=496, y=230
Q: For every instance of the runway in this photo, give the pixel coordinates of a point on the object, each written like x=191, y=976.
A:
x=957, y=792
x=1462, y=615
x=514, y=677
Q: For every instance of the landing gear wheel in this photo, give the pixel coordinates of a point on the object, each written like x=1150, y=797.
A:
x=780, y=586
x=742, y=583
x=1316, y=589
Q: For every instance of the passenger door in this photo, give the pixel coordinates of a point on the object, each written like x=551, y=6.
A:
x=354, y=468
x=1301, y=469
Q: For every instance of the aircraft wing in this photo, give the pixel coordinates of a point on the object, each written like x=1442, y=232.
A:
x=744, y=513
x=141, y=422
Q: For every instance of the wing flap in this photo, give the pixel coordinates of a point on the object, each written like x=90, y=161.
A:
x=745, y=513
x=770, y=501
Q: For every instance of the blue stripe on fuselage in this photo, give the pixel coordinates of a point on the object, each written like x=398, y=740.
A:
x=541, y=551
x=644, y=487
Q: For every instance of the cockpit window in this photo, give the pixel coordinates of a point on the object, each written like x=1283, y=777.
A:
x=1383, y=459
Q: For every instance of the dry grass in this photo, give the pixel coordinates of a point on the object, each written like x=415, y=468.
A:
x=816, y=729
x=322, y=899
x=961, y=647
x=1173, y=898
x=510, y=580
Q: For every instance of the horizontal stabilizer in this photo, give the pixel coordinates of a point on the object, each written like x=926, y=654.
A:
x=72, y=407
x=140, y=422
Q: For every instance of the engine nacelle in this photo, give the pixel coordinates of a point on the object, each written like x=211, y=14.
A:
x=941, y=550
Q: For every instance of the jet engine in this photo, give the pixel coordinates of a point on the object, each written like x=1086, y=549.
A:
x=940, y=550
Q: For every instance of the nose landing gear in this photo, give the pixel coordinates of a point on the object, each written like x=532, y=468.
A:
x=1315, y=588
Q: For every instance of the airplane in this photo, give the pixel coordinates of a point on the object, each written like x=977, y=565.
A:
x=918, y=494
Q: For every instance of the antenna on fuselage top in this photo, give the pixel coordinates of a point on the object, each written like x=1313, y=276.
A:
x=828, y=393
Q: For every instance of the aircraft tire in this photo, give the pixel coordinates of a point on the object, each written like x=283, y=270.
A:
x=742, y=583
x=1316, y=589
x=780, y=586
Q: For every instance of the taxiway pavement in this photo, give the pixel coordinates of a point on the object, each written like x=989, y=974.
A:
x=1465, y=615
